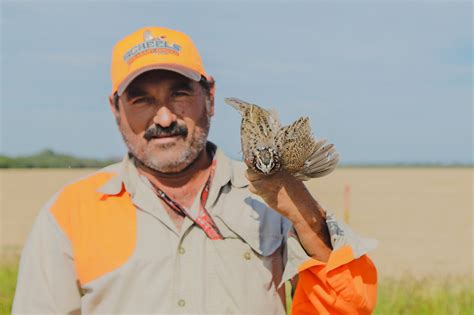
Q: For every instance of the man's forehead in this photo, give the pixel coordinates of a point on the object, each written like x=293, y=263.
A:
x=158, y=77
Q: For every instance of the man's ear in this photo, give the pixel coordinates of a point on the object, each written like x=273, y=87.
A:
x=113, y=106
x=212, y=93
x=212, y=85
x=210, y=106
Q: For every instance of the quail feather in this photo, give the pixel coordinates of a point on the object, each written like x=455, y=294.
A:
x=268, y=147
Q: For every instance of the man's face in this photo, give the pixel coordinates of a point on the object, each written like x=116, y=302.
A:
x=164, y=119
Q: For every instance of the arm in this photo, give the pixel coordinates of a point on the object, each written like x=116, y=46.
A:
x=335, y=275
x=289, y=196
x=46, y=280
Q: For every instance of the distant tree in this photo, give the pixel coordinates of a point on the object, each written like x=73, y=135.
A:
x=49, y=159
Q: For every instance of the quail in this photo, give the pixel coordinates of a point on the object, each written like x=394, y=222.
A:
x=268, y=147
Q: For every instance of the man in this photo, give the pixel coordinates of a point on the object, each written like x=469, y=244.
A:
x=177, y=227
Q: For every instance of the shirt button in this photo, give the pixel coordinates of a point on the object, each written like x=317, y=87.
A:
x=181, y=303
x=247, y=256
x=181, y=251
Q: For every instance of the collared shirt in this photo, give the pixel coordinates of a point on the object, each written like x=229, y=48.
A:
x=105, y=244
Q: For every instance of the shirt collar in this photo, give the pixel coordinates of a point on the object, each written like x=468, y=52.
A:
x=229, y=170
x=226, y=170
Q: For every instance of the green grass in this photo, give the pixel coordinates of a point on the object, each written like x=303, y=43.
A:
x=8, y=275
x=426, y=296
x=453, y=296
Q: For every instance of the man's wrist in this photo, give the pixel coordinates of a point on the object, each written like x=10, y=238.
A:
x=315, y=244
x=312, y=230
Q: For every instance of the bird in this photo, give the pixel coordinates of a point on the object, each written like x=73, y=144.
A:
x=269, y=147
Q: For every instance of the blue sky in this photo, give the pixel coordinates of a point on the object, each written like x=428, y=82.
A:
x=384, y=81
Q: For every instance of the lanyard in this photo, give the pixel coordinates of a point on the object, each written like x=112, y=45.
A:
x=201, y=217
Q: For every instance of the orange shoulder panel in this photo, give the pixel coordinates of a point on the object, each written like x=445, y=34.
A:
x=101, y=228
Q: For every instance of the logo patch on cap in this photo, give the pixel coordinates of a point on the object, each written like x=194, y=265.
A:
x=151, y=44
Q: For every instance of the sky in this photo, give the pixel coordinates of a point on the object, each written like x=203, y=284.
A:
x=385, y=81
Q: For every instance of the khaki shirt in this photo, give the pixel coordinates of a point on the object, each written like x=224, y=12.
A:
x=87, y=253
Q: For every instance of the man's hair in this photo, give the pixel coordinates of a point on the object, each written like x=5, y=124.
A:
x=116, y=101
x=206, y=84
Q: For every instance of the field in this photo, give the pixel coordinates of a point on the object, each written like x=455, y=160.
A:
x=422, y=218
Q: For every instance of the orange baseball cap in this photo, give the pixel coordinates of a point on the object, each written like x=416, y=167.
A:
x=152, y=48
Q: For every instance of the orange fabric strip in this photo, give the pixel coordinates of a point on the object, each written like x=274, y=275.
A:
x=342, y=286
x=102, y=229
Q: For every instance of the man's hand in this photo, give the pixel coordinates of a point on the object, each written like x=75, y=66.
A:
x=289, y=196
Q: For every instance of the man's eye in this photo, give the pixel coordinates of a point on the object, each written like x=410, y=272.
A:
x=181, y=93
x=143, y=100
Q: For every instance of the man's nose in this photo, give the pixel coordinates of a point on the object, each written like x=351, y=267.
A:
x=164, y=117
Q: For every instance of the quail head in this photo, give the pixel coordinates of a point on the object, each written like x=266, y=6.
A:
x=267, y=146
x=257, y=134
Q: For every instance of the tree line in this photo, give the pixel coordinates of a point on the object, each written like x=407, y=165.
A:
x=50, y=159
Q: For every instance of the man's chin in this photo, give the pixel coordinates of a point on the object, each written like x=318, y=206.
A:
x=169, y=160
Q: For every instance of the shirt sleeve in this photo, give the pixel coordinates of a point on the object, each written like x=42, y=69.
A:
x=346, y=284
x=343, y=285
x=47, y=280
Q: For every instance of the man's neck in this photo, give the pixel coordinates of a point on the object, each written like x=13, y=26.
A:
x=181, y=186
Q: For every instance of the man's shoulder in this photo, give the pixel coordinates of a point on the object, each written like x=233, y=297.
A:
x=80, y=196
x=90, y=183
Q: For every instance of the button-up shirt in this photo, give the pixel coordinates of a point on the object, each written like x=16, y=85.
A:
x=105, y=244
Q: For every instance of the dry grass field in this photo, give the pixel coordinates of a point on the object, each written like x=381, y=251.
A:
x=422, y=217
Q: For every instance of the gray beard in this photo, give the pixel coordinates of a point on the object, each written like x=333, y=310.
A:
x=187, y=157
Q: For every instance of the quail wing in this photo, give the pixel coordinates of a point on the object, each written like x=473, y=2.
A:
x=301, y=154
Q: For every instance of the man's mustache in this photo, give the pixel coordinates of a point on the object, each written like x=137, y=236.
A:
x=156, y=131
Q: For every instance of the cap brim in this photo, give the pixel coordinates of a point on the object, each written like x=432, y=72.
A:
x=191, y=74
